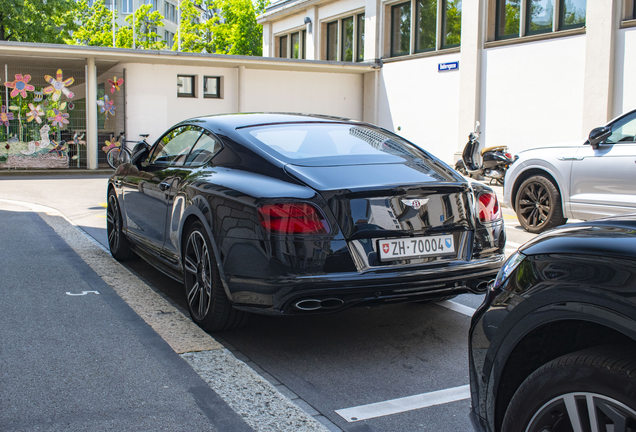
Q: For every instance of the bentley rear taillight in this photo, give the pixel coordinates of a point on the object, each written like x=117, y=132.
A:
x=292, y=218
x=488, y=207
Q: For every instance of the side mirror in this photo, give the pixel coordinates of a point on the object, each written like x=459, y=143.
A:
x=139, y=153
x=597, y=135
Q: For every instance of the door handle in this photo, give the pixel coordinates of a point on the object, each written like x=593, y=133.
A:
x=164, y=186
x=572, y=158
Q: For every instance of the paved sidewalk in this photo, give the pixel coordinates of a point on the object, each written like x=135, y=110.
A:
x=87, y=346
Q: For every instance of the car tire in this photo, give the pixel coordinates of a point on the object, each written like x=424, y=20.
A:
x=538, y=205
x=209, y=307
x=601, y=377
x=117, y=241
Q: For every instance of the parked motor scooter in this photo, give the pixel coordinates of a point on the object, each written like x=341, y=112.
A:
x=494, y=160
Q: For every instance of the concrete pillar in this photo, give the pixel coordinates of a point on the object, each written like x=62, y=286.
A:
x=268, y=49
x=91, y=114
x=241, y=89
x=372, y=17
x=470, y=68
x=602, y=22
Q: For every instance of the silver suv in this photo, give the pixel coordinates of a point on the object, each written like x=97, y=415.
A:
x=587, y=180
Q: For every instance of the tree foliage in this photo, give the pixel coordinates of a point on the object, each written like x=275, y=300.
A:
x=231, y=28
x=44, y=21
x=235, y=28
x=96, y=27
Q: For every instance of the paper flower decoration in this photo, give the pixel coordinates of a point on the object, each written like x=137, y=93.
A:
x=5, y=116
x=35, y=113
x=106, y=106
x=20, y=86
x=58, y=86
x=77, y=139
x=110, y=144
x=115, y=83
x=59, y=118
x=38, y=96
x=59, y=148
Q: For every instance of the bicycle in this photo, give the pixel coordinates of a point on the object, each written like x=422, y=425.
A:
x=120, y=154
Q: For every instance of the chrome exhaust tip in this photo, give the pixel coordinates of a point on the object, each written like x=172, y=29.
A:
x=331, y=303
x=308, y=305
x=314, y=304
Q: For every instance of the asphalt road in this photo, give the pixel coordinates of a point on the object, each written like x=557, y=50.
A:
x=331, y=365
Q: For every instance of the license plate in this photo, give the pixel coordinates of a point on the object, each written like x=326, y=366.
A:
x=413, y=247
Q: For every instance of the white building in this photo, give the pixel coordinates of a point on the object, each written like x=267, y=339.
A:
x=552, y=72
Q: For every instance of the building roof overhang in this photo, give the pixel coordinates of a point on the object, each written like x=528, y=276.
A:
x=38, y=54
x=288, y=7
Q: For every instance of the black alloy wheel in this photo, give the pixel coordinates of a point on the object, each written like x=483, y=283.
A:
x=590, y=390
x=117, y=242
x=538, y=205
x=208, y=305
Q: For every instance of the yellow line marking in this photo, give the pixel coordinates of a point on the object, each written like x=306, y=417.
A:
x=510, y=217
x=103, y=205
x=102, y=216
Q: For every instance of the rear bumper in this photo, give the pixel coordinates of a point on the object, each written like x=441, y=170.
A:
x=343, y=290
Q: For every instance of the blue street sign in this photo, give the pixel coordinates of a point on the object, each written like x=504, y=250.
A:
x=443, y=67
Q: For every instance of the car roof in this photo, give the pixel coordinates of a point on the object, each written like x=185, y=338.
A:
x=614, y=236
x=228, y=122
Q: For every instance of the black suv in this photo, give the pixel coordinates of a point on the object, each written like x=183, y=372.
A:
x=553, y=346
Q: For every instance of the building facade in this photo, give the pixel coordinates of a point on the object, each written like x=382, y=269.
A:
x=533, y=72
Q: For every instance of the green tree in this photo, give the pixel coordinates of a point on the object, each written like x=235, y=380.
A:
x=235, y=30
x=96, y=27
x=145, y=38
x=46, y=21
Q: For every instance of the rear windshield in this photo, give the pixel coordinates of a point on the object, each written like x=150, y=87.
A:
x=316, y=144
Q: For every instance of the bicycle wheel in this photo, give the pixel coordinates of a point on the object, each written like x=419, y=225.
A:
x=117, y=156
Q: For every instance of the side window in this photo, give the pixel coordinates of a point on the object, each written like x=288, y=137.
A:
x=173, y=147
x=204, y=150
x=623, y=130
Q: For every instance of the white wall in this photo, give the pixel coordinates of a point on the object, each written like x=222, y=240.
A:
x=532, y=93
x=153, y=105
x=423, y=102
x=152, y=102
x=624, y=83
x=304, y=92
x=339, y=8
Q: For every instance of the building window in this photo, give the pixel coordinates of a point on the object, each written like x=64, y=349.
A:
x=282, y=46
x=169, y=38
x=211, y=87
x=345, y=39
x=452, y=24
x=169, y=12
x=293, y=45
x=127, y=6
x=401, y=29
x=332, y=40
x=429, y=35
x=541, y=16
x=360, y=56
x=185, y=86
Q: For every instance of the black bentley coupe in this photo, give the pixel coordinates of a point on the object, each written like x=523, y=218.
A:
x=298, y=214
x=553, y=346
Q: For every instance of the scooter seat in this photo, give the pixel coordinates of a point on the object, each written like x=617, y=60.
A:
x=495, y=148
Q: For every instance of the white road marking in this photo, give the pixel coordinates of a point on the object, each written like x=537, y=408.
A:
x=465, y=310
x=409, y=403
x=513, y=244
